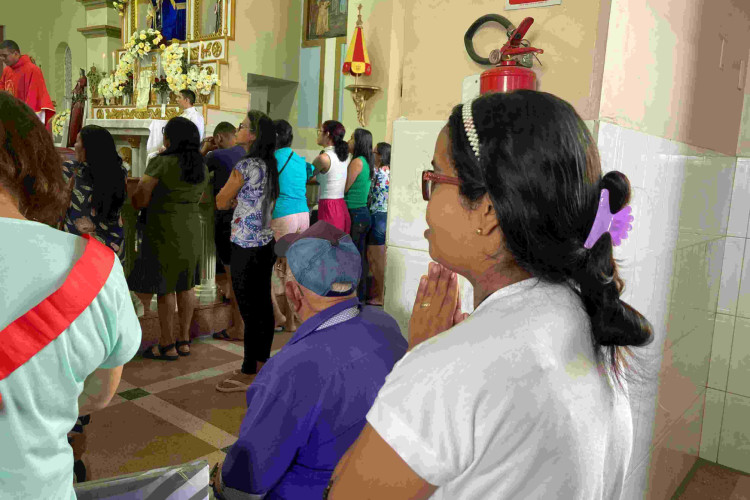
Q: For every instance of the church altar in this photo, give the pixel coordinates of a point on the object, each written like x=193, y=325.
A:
x=193, y=54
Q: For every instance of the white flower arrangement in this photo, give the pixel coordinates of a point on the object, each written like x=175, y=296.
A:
x=58, y=122
x=111, y=87
x=142, y=42
x=172, y=64
x=205, y=82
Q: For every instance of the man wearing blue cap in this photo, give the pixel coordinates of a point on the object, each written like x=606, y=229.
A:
x=308, y=404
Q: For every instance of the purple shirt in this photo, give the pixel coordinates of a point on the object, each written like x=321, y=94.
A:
x=308, y=404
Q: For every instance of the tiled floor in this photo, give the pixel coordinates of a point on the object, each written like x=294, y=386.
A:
x=710, y=481
x=168, y=412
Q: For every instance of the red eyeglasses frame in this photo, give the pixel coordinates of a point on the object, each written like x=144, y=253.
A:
x=431, y=176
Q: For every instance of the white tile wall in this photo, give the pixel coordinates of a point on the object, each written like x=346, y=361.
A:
x=413, y=147
x=721, y=350
x=743, y=300
x=734, y=448
x=730, y=275
x=739, y=363
x=711, y=431
x=739, y=212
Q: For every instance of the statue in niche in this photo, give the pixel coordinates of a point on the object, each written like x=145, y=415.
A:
x=322, y=24
x=144, y=88
x=153, y=19
x=217, y=17
x=173, y=19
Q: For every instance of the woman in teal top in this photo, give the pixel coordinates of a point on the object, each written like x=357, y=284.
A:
x=358, y=181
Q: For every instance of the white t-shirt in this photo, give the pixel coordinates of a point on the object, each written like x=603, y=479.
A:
x=333, y=182
x=194, y=116
x=509, y=404
x=40, y=398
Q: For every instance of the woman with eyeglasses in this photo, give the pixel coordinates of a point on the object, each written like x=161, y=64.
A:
x=168, y=261
x=331, y=167
x=254, y=186
x=526, y=398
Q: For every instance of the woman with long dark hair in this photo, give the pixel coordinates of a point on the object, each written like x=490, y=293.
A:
x=169, y=257
x=330, y=170
x=358, y=181
x=99, y=188
x=254, y=187
x=378, y=204
x=526, y=397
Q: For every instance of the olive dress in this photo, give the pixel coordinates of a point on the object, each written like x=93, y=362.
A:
x=168, y=259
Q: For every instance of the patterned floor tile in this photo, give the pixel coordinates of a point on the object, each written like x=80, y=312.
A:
x=126, y=438
x=225, y=410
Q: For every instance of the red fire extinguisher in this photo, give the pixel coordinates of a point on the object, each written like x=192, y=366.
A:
x=512, y=62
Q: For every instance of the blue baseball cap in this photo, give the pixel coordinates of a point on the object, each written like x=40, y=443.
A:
x=321, y=256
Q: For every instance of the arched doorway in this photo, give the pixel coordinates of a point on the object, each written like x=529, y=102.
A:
x=63, y=76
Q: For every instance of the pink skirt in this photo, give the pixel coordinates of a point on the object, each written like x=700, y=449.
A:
x=336, y=213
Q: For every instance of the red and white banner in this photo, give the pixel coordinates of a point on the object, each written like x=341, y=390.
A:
x=527, y=4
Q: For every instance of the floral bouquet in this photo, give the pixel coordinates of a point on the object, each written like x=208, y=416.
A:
x=204, y=81
x=120, y=6
x=175, y=67
x=161, y=85
x=58, y=122
x=141, y=43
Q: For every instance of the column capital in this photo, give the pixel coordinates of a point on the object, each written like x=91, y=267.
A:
x=101, y=30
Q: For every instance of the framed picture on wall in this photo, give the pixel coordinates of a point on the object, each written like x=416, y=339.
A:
x=325, y=19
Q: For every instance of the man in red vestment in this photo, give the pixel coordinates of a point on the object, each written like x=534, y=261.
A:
x=24, y=80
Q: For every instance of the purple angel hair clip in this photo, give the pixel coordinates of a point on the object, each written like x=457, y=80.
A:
x=616, y=225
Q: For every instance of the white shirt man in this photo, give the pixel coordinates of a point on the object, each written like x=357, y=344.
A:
x=185, y=100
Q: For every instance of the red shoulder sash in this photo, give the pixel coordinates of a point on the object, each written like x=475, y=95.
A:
x=42, y=324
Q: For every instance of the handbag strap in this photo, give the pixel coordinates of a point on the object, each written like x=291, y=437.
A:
x=285, y=164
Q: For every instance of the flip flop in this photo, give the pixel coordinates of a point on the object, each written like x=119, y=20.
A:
x=181, y=343
x=149, y=353
x=222, y=335
x=234, y=386
x=278, y=329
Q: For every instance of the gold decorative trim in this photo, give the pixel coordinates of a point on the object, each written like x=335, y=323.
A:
x=131, y=113
x=198, y=18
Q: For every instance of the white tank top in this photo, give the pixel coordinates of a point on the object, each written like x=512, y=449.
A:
x=333, y=182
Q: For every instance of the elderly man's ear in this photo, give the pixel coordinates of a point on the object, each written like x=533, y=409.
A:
x=293, y=295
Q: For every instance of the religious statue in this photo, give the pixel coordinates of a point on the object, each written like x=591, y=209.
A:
x=144, y=88
x=322, y=24
x=76, y=115
x=217, y=16
x=173, y=19
x=153, y=16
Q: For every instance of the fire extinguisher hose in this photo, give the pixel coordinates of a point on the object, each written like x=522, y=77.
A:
x=469, y=36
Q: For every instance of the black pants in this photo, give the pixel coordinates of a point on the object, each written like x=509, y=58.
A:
x=361, y=223
x=251, y=279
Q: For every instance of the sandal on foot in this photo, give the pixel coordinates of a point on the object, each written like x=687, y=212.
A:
x=222, y=335
x=230, y=385
x=181, y=343
x=149, y=353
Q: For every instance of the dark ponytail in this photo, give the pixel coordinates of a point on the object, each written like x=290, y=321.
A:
x=363, y=148
x=264, y=147
x=540, y=168
x=336, y=132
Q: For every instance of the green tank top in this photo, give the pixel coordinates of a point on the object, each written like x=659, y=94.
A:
x=357, y=195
